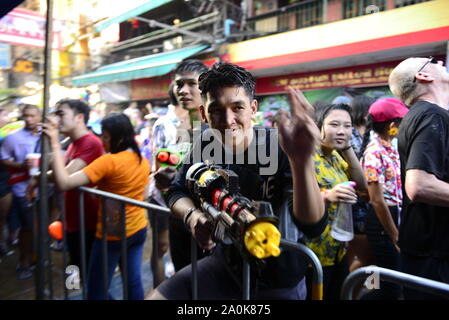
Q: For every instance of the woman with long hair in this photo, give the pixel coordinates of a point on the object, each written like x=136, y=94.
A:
x=383, y=171
x=335, y=164
x=122, y=171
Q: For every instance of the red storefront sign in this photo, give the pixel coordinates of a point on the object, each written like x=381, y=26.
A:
x=366, y=75
x=27, y=28
x=150, y=88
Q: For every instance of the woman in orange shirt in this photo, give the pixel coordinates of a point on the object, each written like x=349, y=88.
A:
x=121, y=171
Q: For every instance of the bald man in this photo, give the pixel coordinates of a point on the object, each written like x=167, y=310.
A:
x=423, y=85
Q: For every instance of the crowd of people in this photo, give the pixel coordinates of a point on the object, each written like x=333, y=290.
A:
x=387, y=159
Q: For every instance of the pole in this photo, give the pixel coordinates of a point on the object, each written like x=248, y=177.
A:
x=42, y=234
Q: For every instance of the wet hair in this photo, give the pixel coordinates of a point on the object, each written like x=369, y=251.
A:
x=377, y=127
x=121, y=131
x=322, y=113
x=78, y=107
x=360, y=105
x=191, y=65
x=171, y=95
x=223, y=75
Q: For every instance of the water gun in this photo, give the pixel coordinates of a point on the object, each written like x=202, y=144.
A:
x=250, y=225
x=167, y=157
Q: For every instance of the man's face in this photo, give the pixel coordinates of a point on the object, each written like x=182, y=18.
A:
x=230, y=111
x=31, y=117
x=68, y=120
x=186, y=90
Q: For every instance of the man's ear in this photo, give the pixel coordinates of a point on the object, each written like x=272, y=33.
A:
x=203, y=113
x=80, y=117
x=424, y=77
x=254, y=106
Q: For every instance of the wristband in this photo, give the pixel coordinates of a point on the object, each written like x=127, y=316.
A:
x=187, y=216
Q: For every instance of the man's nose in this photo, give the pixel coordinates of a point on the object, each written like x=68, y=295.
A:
x=182, y=90
x=230, y=118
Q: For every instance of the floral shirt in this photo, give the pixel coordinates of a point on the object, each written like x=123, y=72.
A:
x=329, y=171
x=381, y=164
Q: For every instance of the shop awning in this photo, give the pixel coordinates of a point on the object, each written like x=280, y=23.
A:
x=134, y=12
x=145, y=67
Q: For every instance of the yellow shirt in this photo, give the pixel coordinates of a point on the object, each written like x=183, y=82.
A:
x=122, y=174
x=329, y=171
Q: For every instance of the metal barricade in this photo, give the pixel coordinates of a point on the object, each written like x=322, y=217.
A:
x=404, y=279
x=317, y=288
x=151, y=208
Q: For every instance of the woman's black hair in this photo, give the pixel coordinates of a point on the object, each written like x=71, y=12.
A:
x=121, y=131
x=360, y=105
x=377, y=127
x=322, y=112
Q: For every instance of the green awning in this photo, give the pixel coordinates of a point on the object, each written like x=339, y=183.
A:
x=144, y=67
x=142, y=8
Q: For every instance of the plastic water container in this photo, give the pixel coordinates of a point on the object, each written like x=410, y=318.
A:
x=342, y=228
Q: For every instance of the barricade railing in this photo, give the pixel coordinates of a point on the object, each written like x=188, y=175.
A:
x=393, y=276
x=123, y=266
x=152, y=210
x=312, y=259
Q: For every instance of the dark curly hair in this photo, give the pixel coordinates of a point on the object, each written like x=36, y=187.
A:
x=223, y=74
x=191, y=65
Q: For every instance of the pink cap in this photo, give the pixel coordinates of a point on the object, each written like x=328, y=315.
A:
x=386, y=109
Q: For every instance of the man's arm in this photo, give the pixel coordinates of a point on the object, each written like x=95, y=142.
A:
x=7, y=156
x=425, y=187
x=298, y=137
x=72, y=167
x=14, y=165
x=64, y=180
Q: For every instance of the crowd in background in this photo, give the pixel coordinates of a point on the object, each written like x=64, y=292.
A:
x=357, y=163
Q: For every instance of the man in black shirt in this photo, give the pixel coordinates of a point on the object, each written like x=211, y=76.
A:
x=228, y=107
x=423, y=84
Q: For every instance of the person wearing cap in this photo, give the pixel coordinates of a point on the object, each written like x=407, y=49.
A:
x=382, y=170
x=423, y=84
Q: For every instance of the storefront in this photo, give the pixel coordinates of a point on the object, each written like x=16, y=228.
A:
x=371, y=80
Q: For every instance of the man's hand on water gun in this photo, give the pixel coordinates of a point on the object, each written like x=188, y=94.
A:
x=201, y=228
x=164, y=177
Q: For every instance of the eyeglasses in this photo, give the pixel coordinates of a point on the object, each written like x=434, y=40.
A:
x=430, y=60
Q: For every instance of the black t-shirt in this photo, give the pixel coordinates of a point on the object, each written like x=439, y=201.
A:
x=424, y=145
x=270, y=184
